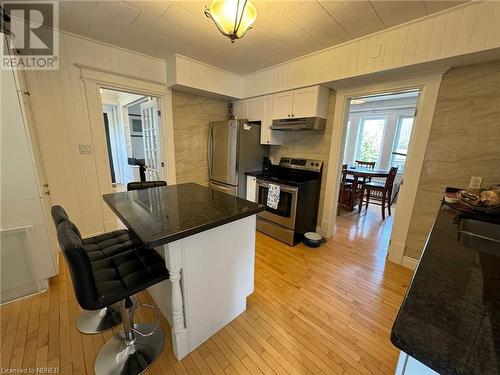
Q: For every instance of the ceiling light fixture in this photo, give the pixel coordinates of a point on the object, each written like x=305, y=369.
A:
x=357, y=101
x=233, y=18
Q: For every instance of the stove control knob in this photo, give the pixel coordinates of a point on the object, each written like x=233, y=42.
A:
x=317, y=164
x=312, y=163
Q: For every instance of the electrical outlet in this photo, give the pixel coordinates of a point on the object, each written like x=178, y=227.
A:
x=84, y=148
x=475, y=182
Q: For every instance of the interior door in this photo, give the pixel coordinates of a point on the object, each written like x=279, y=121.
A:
x=222, y=151
x=151, y=140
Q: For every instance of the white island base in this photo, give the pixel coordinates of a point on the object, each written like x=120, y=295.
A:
x=211, y=276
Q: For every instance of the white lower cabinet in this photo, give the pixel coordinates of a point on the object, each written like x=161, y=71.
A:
x=251, y=188
x=408, y=365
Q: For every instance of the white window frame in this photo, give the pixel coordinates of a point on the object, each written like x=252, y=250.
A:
x=362, y=120
x=396, y=137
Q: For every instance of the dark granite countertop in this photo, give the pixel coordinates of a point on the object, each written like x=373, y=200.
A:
x=450, y=318
x=169, y=213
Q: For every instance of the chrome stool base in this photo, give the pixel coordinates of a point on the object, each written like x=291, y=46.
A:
x=92, y=322
x=118, y=357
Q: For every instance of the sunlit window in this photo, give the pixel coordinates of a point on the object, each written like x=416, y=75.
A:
x=371, y=134
x=401, y=142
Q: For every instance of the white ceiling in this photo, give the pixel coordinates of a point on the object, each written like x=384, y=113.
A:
x=283, y=30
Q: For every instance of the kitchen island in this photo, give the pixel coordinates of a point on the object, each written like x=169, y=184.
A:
x=449, y=322
x=207, y=239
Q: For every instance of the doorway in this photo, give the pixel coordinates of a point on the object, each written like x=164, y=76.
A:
x=133, y=137
x=429, y=87
x=377, y=137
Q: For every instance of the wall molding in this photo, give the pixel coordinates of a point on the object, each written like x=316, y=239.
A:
x=410, y=263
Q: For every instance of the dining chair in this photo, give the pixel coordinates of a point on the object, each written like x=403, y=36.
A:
x=344, y=189
x=139, y=185
x=365, y=164
x=380, y=192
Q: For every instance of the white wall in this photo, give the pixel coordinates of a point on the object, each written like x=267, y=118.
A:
x=62, y=122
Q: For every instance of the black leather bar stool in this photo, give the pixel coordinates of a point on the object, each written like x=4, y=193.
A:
x=98, y=248
x=139, y=185
x=114, y=280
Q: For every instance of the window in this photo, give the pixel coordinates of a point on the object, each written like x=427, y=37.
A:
x=371, y=134
x=347, y=135
x=401, y=142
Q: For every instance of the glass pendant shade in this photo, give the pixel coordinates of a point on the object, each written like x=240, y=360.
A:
x=233, y=18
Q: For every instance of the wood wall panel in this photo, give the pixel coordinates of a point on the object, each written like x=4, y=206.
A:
x=465, y=29
x=62, y=122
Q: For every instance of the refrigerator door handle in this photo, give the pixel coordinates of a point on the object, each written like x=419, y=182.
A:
x=210, y=149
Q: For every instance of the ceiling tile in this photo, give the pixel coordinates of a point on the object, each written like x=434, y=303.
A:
x=283, y=29
x=433, y=6
x=153, y=8
x=396, y=12
x=116, y=11
x=358, y=18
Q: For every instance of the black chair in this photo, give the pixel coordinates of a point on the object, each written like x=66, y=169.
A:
x=139, y=185
x=98, y=248
x=113, y=280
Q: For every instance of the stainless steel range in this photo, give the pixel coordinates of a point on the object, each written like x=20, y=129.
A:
x=299, y=181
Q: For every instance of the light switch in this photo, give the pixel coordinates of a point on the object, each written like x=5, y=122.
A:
x=475, y=182
x=85, y=148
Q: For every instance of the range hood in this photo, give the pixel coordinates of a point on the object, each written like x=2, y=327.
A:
x=299, y=124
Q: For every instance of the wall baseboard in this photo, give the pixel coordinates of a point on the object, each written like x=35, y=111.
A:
x=410, y=263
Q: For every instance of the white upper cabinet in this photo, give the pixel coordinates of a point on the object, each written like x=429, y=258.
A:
x=259, y=109
x=268, y=136
x=306, y=102
x=255, y=108
x=240, y=109
x=282, y=105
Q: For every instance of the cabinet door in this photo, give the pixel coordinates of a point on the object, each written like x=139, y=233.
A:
x=305, y=102
x=251, y=186
x=282, y=105
x=240, y=109
x=255, y=109
x=268, y=136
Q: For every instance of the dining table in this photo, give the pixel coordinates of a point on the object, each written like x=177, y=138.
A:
x=359, y=176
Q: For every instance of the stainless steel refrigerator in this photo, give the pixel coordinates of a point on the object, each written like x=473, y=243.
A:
x=233, y=149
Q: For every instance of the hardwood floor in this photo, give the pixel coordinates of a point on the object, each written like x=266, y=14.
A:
x=321, y=311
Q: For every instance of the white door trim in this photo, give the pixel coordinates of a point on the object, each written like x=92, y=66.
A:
x=429, y=86
x=94, y=80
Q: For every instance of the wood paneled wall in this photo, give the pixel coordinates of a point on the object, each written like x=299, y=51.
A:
x=464, y=141
x=310, y=145
x=192, y=113
x=62, y=122
x=457, y=31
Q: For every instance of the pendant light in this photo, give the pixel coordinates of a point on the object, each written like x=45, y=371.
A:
x=233, y=18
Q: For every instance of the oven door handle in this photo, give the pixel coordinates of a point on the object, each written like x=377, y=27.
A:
x=282, y=187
